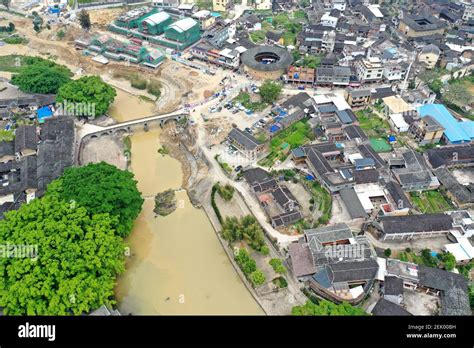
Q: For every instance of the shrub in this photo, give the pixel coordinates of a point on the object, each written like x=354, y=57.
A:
x=265, y=250
x=277, y=266
x=154, y=87
x=257, y=277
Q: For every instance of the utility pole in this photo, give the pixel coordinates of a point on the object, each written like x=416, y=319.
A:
x=405, y=81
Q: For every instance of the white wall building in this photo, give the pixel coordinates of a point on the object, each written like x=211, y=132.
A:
x=328, y=20
x=369, y=69
x=339, y=5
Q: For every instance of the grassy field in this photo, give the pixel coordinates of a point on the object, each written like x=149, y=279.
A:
x=294, y=136
x=430, y=202
x=245, y=100
x=309, y=61
x=372, y=124
x=288, y=23
x=258, y=36
x=457, y=104
x=12, y=63
x=323, y=200
x=380, y=145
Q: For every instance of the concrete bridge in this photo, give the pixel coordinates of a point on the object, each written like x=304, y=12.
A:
x=122, y=128
x=89, y=131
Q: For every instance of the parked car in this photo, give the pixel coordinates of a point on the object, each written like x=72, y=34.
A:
x=248, y=130
x=238, y=168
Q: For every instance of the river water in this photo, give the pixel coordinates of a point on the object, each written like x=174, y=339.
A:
x=176, y=263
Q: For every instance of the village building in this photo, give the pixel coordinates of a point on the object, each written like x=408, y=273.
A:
x=277, y=200
x=427, y=130
x=396, y=109
x=336, y=76
x=358, y=98
x=413, y=226
x=245, y=143
x=462, y=194
x=335, y=264
x=419, y=25
x=429, y=56
x=448, y=156
x=384, y=307
x=455, y=132
x=412, y=173
x=300, y=75
x=221, y=5
x=369, y=69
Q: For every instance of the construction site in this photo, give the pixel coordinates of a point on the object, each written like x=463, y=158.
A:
x=157, y=27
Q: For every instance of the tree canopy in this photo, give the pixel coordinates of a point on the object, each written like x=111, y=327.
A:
x=327, y=308
x=247, y=228
x=41, y=76
x=84, y=19
x=88, y=90
x=78, y=258
x=270, y=91
x=101, y=188
x=457, y=93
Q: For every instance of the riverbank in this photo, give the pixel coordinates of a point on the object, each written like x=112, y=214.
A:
x=181, y=146
x=199, y=186
x=176, y=264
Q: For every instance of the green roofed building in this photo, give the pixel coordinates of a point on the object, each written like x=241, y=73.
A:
x=155, y=24
x=132, y=19
x=185, y=31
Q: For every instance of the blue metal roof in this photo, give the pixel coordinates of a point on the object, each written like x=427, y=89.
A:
x=469, y=128
x=456, y=132
x=344, y=116
x=323, y=278
x=298, y=152
x=43, y=113
x=274, y=128
x=364, y=162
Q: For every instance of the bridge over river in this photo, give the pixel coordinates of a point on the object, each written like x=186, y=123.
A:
x=89, y=131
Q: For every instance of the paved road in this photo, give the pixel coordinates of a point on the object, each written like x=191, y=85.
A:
x=218, y=175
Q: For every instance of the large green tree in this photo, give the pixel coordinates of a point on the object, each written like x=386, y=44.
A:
x=41, y=76
x=78, y=258
x=270, y=91
x=101, y=188
x=88, y=91
x=247, y=228
x=327, y=308
x=458, y=94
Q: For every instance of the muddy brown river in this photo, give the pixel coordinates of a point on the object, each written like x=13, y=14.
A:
x=176, y=263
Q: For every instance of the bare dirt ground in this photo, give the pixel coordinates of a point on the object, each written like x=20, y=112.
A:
x=106, y=148
x=301, y=195
x=235, y=207
x=419, y=303
x=339, y=211
x=102, y=18
x=179, y=142
x=433, y=243
x=465, y=176
x=180, y=84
